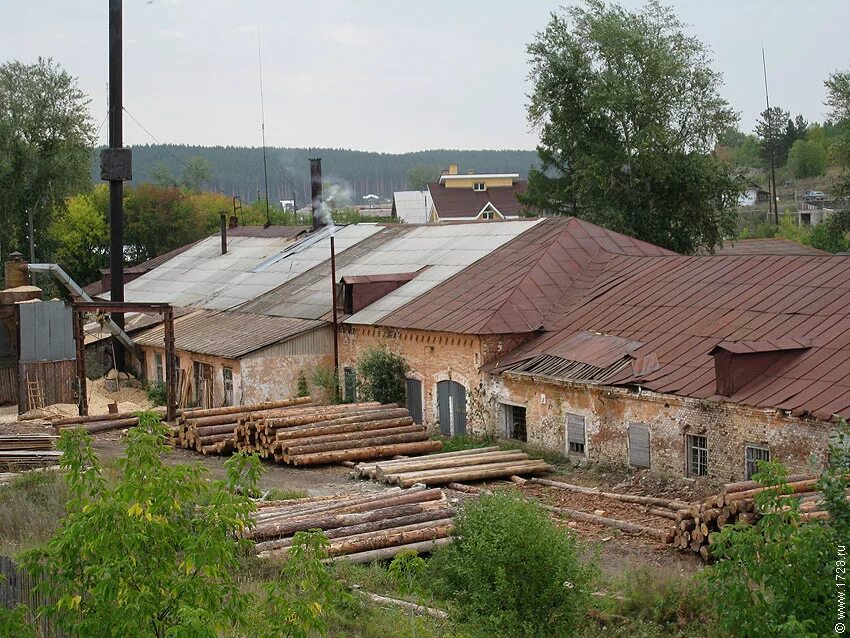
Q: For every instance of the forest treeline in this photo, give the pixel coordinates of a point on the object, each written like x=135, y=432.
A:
x=236, y=170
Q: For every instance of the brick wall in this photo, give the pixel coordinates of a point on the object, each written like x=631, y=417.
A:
x=729, y=428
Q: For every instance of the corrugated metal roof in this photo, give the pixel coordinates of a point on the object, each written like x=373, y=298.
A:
x=227, y=334
x=766, y=246
x=268, y=231
x=511, y=289
x=445, y=249
x=681, y=308
x=412, y=207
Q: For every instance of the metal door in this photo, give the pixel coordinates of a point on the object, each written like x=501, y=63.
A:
x=414, y=399
x=638, y=445
x=451, y=403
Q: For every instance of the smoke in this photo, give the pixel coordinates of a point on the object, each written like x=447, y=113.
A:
x=336, y=193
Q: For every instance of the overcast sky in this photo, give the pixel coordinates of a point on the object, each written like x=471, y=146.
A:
x=385, y=75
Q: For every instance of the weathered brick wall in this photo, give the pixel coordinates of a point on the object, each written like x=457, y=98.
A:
x=729, y=428
x=274, y=377
x=185, y=362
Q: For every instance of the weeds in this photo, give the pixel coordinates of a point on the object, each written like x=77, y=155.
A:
x=32, y=505
x=276, y=494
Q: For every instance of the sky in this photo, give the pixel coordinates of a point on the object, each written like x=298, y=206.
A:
x=385, y=75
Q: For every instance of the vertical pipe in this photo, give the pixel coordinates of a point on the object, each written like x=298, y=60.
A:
x=116, y=186
x=316, y=190
x=335, y=323
x=223, y=233
x=170, y=371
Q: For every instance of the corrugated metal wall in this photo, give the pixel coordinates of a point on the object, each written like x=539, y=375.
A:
x=47, y=332
x=318, y=341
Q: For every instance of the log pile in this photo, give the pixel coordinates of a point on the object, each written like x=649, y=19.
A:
x=27, y=451
x=317, y=435
x=697, y=525
x=361, y=528
x=477, y=464
x=95, y=423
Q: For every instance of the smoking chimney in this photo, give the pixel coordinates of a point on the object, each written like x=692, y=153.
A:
x=316, y=192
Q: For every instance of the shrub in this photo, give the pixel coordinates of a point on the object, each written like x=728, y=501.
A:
x=512, y=573
x=381, y=376
x=303, y=390
x=156, y=392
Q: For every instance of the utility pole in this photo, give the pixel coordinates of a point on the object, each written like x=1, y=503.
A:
x=772, y=185
x=116, y=167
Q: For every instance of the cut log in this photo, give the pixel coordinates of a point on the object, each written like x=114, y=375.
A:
x=322, y=434
x=608, y=522
x=807, y=485
x=428, y=463
x=380, y=541
x=389, y=553
x=106, y=426
x=403, y=604
x=311, y=441
x=234, y=409
x=473, y=473
x=625, y=498
x=410, y=437
x=358, y=454
x=746, y=486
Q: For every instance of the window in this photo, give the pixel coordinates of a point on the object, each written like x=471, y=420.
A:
x=227, y=381
x=479, y=186
x=158, y=364
x=514, y=416
x=638, y=445
x=754, y=454
x=575, y=435
x=697, y=447
x=414, y=399
x=350, y=382
x=487, y=214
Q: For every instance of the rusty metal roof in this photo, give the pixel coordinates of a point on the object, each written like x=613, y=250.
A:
x=766, y=246
x=681, y=308
x=227, y=334
x=511, y=289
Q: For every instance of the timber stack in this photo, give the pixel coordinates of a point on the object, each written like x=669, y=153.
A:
x=478, y=464
x=95, y=423
x=360, y=529
x=27, y=451
x=697, y=525
x=213, y=430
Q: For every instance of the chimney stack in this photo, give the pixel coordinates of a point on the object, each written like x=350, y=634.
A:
x=223, y=233
x=16, y=271
x=452, y=169
x=316, y=190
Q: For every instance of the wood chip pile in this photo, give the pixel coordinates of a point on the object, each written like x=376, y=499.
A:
x=27, y=451
x=697, y=525
x=477, y=464
x=360, y=529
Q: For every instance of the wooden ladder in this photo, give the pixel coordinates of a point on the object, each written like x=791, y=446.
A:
x=35, y=397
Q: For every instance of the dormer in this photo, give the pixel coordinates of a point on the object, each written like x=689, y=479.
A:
x=737, y=363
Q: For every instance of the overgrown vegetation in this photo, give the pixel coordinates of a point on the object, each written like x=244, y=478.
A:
x=830, y=236
x=31, y=507
x=156, y=392
x=381, y=376
x=511, y=572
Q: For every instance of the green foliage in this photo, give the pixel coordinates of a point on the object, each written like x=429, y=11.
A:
x=629, y=112
x=151, y=554
x=838, y=100
x=157, y=220
x=303, y=390
x=81, y=235
x=512, y=573
x=777, y=133
x=776, y=578
x=457, y=443
x=156, y=392
x=407, y=570
x=299, y=602
x=46, y=135
x=807, y=158
x=31, y=504
x=381, y=376
x=14, y=623
x=325, y=378
x=418, y=177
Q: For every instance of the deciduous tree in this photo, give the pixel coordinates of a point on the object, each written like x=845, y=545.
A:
x=629, y=111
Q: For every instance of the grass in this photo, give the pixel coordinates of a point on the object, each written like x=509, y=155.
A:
x=276, y=494
x=32, y=505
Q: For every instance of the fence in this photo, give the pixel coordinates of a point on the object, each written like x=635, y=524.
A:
x=17, y=588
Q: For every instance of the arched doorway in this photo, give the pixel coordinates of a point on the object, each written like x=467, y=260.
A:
x=451, y=406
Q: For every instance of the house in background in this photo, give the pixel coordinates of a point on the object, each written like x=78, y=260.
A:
x=412, y=207
x=754, y=194
x=474, y=197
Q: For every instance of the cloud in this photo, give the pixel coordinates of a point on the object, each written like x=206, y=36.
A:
x=170, y=34
x=348, y=34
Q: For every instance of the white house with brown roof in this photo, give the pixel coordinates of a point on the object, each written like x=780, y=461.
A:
x=475, y=196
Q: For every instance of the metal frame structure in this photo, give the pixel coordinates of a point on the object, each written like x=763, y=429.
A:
x=164, y=309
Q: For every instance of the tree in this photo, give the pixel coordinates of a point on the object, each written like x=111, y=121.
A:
x=381, y=376
x=158, y=220
x=46, y=136
x=807, y=158
x=418, y=177
x=629, y=112
x=80, y=235
x=196, y=173
x=838, y=100
x=771, y=129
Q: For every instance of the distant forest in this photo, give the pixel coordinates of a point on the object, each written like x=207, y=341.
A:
x=239, y=170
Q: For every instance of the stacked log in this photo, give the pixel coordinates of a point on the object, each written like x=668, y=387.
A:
x=333, y=434
x=696, y=526
x=213, y=430
x=477, y=464
x=360, y=528
x=95, y=423
x=27, y=451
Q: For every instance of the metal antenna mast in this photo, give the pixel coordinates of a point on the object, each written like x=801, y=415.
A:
x=263, y=129
x=772, y=188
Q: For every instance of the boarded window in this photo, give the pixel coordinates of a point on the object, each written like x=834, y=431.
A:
x=514, y=416
x=638, y=445
x=227, y=381
x=203, y=385
x=575, y=435
x=350, y=382
x=697, y=450
x=754, y=454
x=158, y=363
x=414, y=399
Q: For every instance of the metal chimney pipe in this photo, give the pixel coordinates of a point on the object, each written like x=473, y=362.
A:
x=316, y=190
x=223, y=233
